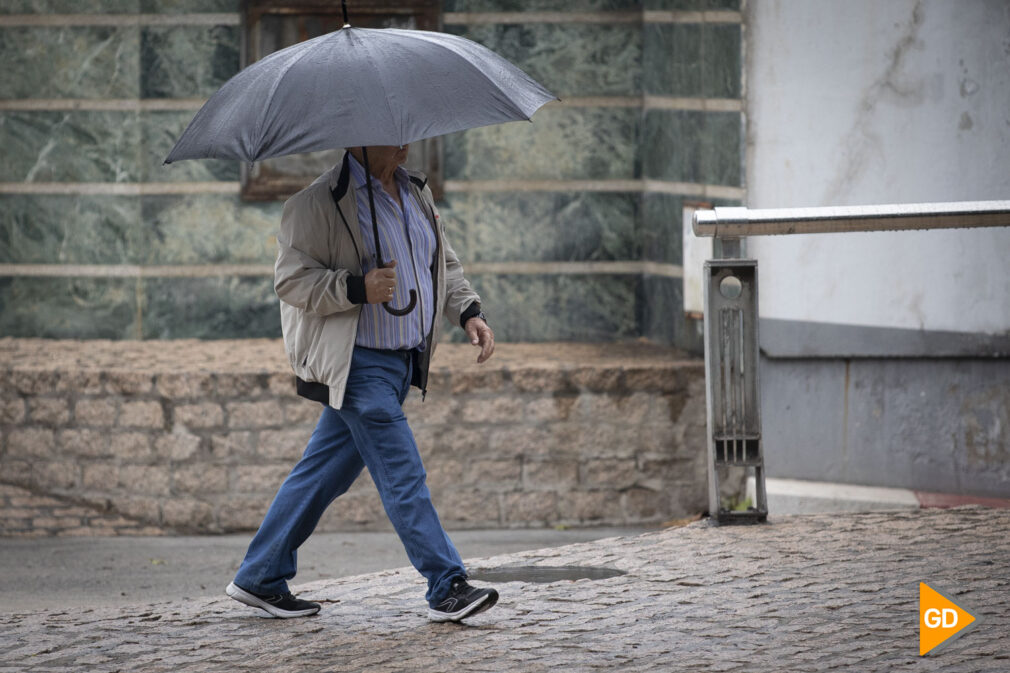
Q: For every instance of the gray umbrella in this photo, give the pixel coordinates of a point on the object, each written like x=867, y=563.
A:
x=357, y=87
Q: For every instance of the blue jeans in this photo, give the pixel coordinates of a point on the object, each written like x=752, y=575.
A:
x=370, y=430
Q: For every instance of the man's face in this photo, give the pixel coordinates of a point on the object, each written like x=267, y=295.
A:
x=388, y=154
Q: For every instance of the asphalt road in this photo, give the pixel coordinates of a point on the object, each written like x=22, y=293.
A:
x=52, y=573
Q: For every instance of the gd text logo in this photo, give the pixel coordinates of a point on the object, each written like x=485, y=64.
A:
x=940, y=619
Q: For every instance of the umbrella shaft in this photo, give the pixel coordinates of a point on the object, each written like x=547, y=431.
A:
x=371, y=207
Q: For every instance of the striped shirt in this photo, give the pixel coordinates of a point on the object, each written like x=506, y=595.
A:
x=407, y=236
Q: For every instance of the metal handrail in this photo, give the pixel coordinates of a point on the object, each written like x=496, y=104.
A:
x=735, y=222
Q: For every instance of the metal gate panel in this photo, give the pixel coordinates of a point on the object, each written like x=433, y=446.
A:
x=732, y=386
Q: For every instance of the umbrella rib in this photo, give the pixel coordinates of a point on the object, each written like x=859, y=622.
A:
x=270, y=98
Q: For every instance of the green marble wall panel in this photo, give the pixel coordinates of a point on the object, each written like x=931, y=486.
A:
x=692, y=60
x=690, y=146
x=210, y=229
x=159, y=131
x=559, y=308
x=69, y=6
x=210, y=308
x=570, y=59
x=553, y=226
x=660, y=304
x=117, y=6
x=68, y=308
x=662, y=216
x=672, y=59
x=154, y=230
x=77, y=146
x=455, y=214
x=539, y=5
x=672, y=145
x=70, y=62
x=187, y=61
x=561, y=144
x=721, y=60
x=54, y=229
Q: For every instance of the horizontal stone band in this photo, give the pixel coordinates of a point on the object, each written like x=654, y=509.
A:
x=470, y=18
x=651, y=186
x=449, y=18
x=659, y=16
x=134, y=270
x=113, y=104
x=577, y=268
x=451, y=186
x=186, y=104
x=266, y=270
x=56, y=20
x=120, y=188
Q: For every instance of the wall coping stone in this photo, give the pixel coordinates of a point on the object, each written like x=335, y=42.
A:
x=267, y=356
x=181, y=368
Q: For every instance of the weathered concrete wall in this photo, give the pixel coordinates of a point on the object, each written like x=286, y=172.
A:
x=863, y=102
x=930, y=425
x=198, y=436
x=888, y=363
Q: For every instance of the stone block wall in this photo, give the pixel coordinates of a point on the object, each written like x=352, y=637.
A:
x=197, y=436
x=570, y=227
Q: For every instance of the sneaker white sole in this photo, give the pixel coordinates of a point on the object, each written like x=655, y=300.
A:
x=485, y=602
x=243, y=596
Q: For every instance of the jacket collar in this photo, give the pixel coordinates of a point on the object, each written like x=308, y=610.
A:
x=339, y=177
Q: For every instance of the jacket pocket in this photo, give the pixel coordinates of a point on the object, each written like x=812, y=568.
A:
x=306, y=346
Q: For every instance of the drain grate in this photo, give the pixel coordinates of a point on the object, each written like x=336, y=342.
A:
x=543, y=574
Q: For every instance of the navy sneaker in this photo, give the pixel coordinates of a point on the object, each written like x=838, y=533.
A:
x=463, y=601
x=284, y=606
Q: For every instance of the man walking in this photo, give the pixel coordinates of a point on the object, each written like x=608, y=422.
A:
x=360, y=360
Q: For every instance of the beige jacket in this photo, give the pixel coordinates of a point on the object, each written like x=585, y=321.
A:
x=318, y=250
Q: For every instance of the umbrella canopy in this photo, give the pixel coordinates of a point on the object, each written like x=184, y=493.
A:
x=357, y=87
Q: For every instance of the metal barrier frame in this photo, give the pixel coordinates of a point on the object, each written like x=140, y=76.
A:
x=732, y=360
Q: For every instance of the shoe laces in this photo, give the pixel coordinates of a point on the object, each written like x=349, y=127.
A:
x=459, y=585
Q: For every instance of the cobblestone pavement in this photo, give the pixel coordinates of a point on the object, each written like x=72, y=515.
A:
x=805, y=593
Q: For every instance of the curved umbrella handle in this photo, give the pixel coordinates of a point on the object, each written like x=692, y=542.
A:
x=406, y=309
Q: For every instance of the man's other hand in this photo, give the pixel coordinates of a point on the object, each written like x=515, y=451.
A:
x=481, y=335
x=380, y=283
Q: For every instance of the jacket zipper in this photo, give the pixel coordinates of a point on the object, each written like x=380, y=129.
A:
x=350, y=233
x=434, y=294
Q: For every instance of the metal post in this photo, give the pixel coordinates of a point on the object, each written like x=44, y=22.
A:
x=731, y=379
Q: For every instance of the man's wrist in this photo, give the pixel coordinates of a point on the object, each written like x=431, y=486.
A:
x=472, y=311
